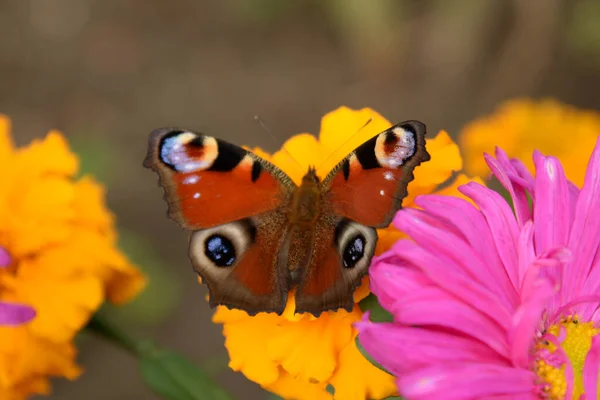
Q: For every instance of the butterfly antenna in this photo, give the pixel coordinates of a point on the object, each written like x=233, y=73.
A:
x=346, y=142
x=286, y=151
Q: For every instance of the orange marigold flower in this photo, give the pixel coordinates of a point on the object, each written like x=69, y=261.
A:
x=64, y=262
x=521, y=126
x=297, y=355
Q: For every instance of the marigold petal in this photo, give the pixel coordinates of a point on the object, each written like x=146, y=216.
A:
x=246, y=341
x=357, y=379
x=63, y=306
x=362, y=291
x=63, y=260
x=445, y=160
x=50, y=155
x=24, y=355
x=289, y=387
x=89, y=207
x=520, y=126
x=6, y=142
x=343, y=130
x=34, y=385
x=297, y=154
x=297, y=343
x=31, y=226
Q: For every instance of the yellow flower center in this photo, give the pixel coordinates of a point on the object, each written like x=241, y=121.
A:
x=576, y=344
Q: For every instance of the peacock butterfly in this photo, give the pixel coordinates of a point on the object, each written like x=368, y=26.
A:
x=256, y=234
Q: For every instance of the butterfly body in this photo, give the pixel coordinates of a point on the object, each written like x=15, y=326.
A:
x=257, y=235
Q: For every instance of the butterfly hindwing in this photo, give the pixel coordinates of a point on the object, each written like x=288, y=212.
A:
x=210, y=182
x=242, y=263
x=340, y=258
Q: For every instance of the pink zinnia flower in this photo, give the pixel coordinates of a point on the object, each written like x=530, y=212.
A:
x=12, y=313
x=494, y=304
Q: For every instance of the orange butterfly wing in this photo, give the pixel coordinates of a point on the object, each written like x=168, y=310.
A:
x=235, y=202
x=210, y=182
x=363, y=192
x=368, y=186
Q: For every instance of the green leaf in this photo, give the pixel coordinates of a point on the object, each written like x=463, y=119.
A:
x=378, y=313
x=174, y=377
x=167, y=373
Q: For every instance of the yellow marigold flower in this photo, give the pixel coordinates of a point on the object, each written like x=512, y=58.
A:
x=297, y=355
x=61, y=241
x=521, y=126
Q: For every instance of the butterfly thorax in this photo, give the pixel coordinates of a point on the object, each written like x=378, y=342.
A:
x=306, y=202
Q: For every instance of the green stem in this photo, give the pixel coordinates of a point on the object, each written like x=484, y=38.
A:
x=100, y=326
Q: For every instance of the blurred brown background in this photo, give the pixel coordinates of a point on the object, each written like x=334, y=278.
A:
x=108, y=72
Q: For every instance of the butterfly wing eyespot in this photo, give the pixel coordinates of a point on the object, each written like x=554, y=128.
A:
x=209, y=182
x=222, y=246
x=341, y=258
x=368, y=186
x=240, y=263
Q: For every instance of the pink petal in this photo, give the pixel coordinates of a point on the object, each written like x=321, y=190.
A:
x=451, y=245
x=525, y=250
x=400, y=349
x=573, y=197
x=585, y=235
x=15, y=314
x=433, y=307
x=552, y=204
x=524, y=174
x=447, y=275
x=501, y=168
x=591, y=369
x=502, y=223
x=473, y=227
x=526, y=322
x=388, y=280
x=465, y=382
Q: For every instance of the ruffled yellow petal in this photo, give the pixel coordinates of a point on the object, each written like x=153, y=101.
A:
x=65, y=263
x=49, y=156
x=295, y=344
x=298, y=153
x=290, y=388
x=452, y=188
x=445, y=160
x=298, y=355
x=520, y=126
x=246, y=340
x=63, y=305
x=6, y=142
x=345, y=129
x=30, y=356
x=355, y=377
